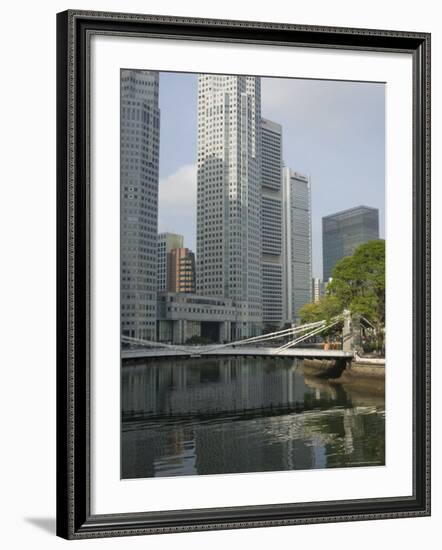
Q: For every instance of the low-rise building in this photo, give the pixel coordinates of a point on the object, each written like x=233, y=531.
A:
x=183, y=316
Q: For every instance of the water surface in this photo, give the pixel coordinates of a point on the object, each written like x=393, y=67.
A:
x=230, y=415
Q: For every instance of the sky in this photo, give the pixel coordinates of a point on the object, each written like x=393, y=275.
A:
x=333, y=131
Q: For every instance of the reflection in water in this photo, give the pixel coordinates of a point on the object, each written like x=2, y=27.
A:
x=227, y=415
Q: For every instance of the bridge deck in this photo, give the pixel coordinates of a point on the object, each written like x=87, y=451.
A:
x=238, y=351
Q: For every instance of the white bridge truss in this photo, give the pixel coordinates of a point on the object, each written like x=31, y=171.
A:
x=296, y=334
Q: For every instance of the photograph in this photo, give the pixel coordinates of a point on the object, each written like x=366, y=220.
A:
x=243, y=274
x=252, y=273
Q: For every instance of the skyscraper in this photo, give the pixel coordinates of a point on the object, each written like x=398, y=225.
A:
x=181, y=276
x=140, y=142
x=317, y=289
x=271, y=225
x=166, y=243
x=297, y=242
x=344, y=231
x=229, y=196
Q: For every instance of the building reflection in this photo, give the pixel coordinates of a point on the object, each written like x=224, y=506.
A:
x=216, y=386
x=242, y=415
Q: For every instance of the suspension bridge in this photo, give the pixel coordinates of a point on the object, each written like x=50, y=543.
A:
x=265, y=345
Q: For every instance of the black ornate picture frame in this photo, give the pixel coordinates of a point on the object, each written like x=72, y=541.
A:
x=74, y=517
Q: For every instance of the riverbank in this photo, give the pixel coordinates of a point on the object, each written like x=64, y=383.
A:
x=346, y=370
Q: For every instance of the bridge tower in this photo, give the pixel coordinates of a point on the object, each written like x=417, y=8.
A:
x=351, y=332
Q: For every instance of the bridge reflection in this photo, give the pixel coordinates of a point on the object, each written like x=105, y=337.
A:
x=230, y=415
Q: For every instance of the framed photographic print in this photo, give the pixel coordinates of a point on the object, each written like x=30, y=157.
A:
x=243, y=274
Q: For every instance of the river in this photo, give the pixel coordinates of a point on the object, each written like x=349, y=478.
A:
x=229, y=415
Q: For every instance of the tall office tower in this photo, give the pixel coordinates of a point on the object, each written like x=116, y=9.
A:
x=140, y=144
x=297, y=242
x=181, y=277
x=317, y=289
x=166, y=243
x=229, y=196
x=271, y=224
x=344, y=231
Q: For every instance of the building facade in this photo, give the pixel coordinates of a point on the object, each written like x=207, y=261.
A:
x=297, y=242
x=271, y=226
x=183, y=316
x=140, y=145
x=181, y=276
x=166, y=243
x=344, y=231
x=229, y=196
x=317, y=289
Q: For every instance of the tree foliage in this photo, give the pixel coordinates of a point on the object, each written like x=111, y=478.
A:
x=327, y=308
x=358, y=285
x=358, y=282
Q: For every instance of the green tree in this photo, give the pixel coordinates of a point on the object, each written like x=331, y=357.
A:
x=325, y=309
x=358, y=283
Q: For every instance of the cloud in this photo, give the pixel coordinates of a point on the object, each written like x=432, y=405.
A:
x=179, y=188
x=177, y=203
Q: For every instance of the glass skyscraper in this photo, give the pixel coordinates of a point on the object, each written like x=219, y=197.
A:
x=344, y=231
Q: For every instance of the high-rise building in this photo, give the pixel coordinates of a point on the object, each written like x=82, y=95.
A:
x=229, y=196
x=271, y=225
x=297, y=242
x=181, y=276
x=317, y=289
x=166, y=243
x=140, y=144
x=344, y=231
